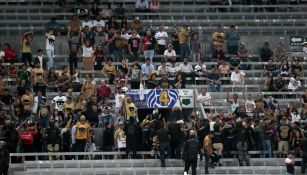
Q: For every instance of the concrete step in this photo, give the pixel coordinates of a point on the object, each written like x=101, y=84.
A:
x=157, y=170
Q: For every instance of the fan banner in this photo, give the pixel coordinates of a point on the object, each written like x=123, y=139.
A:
x=162, y=98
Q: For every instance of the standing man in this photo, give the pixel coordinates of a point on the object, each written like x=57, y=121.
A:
x=233, y=38
x=208, y=150
x=164, y=139
x=26, y=40
x=50, y=40
x=183, y=37
x=190, y=151
x=148, y=45
x=161, y=37
x=53, y=138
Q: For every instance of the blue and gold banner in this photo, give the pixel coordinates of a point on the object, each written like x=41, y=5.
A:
x=163, y=98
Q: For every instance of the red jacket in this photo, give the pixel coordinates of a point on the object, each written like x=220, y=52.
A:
x=104, y=91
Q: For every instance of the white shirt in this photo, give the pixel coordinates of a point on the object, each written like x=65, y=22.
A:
x=100, y=23
x=162, y=70
x=50, y=40
x=119, y=100
x=35, y=105
x=236, y=77
x=126, y=36
x=250, y=105
x=199, y=69
x=295, y=118
x=305, y=50
x=186, y=68
x=204, y=99
x=173, y=70
x=170, y=54
x=40, y=58
x=87, y=23
x=59, y=102
x=294, y=84
x=73, y=132
x=87, y=51
x=2, y=54
x=161, y=37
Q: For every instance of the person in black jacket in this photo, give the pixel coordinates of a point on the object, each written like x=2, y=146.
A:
x=53, y=137
x=4, y=159
x=190, y=152
x=131, y=131
x=163, y=137
x=39, y=59
x=108, y=141
x=241, y=137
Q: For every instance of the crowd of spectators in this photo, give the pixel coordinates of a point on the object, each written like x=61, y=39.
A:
x=83, y=104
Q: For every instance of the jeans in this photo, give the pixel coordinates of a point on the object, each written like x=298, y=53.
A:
x=149, y=54
x=215, y=87
x=119, y=55
x=163, y=147
x=188, y=163
x=232, y=49
x=26, y=57
x=50, y=55
x=207, y=163
x=267, y=146
x=195, y=56
x=185, y=51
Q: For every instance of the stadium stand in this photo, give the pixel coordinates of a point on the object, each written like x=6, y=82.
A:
x=82, y=94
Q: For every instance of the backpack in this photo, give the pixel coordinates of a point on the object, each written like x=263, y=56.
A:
x=26, y=138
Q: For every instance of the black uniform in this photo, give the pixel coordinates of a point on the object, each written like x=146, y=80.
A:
x=190, y=151
x=4, y=159
x=304, y=150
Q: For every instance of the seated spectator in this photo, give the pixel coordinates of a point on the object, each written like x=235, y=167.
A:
x=164, y=83
x=195, y=47
x=173, y=69
x=224, y=69
x=218, y=37
x=233, y=38
x=186, y=68
x=94, y=11
x=147, y=68
x=179, y=82
x=89, y=89
x=204, y=99
x=296, y=68
x=87, y=22
x=279, y=83
x=141, y=6
x=99, y=25
x=106, y=12
x=9, y=53
x=243, y=55
x=152, y=83
x=109, y=71
x=82, y=11
x=295, y=84
x=266, y=53
x=154, y=6
x=169, y=54
x=214, y=79
x=124, y=34
x=271, y=69
x=269, y=84
x=163, y=69
x=12, y=71
x=218, y=54
x=200, y=69
x=53, y=25
x=284, y=68
x=280, y=52
x=235, y=61
x=237, y=77
x=112, y=24
x=120, y=11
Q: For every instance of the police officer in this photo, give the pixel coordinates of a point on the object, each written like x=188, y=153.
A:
x=304, y=151
x=190, y=152
x=4, y=158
